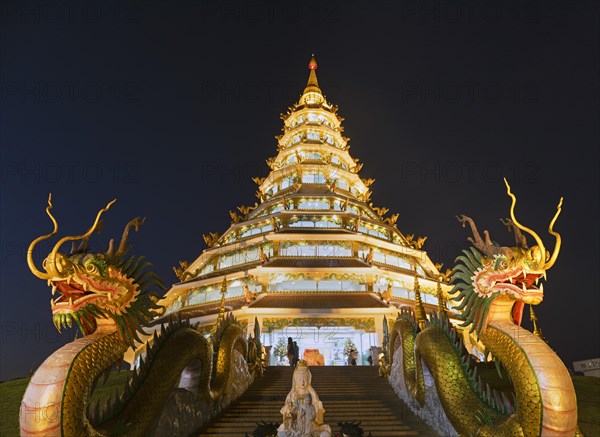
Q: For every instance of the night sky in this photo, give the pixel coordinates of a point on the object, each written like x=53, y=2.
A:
x=172, y=109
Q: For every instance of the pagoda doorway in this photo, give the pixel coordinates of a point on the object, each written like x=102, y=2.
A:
x=321, y=345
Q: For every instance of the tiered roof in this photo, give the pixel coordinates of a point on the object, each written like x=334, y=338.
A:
x=314, y=221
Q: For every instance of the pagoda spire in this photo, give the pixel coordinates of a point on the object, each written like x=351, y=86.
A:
x=221, y=315
x=312, y=84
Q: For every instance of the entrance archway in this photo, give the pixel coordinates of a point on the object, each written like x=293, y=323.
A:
x=321, y=341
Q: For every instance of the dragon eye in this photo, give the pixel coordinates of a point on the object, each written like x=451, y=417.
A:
x=500, y=263
x=95, y=266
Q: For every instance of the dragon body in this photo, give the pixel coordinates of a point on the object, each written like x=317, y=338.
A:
x=439, y=377
x=109, y=297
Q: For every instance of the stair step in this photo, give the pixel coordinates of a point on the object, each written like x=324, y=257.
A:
x=347, y=393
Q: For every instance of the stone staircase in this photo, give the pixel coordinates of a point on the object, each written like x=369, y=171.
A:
x=348, y=393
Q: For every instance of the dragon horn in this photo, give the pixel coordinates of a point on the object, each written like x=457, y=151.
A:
x=30, y=262
x=488, y=240
x=537, y=238
x=519, y=237
x=487, y=246
x=465, y=219
x=136, y=223
x=63, y=240
x=556, y=235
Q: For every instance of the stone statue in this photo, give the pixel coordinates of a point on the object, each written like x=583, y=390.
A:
x=303, y=411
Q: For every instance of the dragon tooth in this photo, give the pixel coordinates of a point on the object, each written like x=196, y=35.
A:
x=542, y=287
x=51, y=302
x=53, y=289
x=544, y=275
x=523, y=286
x=537, y=280
x=49, y=282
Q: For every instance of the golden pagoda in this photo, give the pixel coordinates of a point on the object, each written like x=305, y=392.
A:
x=313, y=259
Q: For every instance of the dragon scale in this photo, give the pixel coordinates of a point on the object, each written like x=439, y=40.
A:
x=543, y=388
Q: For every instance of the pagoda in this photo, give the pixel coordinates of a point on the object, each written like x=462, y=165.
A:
x=313, y=259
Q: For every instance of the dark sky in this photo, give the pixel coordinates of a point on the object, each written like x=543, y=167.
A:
x=172, y=109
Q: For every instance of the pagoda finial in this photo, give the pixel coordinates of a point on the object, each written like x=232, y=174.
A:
x=313, y=84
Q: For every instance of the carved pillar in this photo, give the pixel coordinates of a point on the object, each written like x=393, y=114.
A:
x=355, y=249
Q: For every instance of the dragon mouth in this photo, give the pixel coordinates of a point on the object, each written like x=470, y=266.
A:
x=74, y=293
x=523, y=286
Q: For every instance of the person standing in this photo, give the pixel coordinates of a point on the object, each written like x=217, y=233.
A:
x=352, y=357
x=290, y=351
x=296, y=353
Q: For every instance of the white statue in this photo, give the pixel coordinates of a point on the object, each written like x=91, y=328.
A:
x=303, y=411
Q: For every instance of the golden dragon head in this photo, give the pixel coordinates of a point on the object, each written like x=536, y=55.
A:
x=488, y=271
x=87, y=286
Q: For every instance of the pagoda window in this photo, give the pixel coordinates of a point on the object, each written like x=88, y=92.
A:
x=312, y=117
x=286, y=182
x=272, y=190
x=298, y=249
x=353, y=209
x=196, y=297
x=276, y=208
x=401, y=292
x=294, y=285
x=373, y=232
x=335, y=159
x=389, y=258
x=327, y=224
x=313, y=136
x=297, y=139
x=214, y=295
x=316, y=156
x=176, y=305
x=207, y=269
x=302, y=224
x=329, y=139
x=238, y=257
x=291, y=159
x=313, y=177
x=250, y=231
x=235, y=288
x=313, y=204
x=430, y=299
x=342, y=184
x=334, y=249
x=301, y=249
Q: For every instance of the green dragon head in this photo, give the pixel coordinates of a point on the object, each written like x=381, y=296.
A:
x=87, y=287
x=488, y=272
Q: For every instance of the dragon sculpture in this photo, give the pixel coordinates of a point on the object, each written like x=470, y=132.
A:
x=109, y=296
x=437, y=376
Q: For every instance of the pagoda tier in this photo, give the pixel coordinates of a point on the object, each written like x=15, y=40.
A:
x=313, y=236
